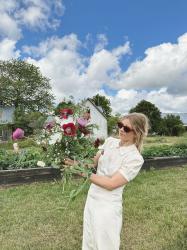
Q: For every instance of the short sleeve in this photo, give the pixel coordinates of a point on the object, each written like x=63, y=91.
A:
x=103, y=146
x=131, y=167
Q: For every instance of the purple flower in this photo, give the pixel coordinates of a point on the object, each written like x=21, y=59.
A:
x=49, y=125
x=82, y=121
x=18, y=134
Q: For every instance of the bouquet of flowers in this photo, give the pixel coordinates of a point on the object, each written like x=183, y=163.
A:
x=67, y=134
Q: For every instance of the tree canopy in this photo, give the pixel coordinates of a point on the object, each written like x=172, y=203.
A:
x=23, y=86
x=172, y=125
x=151, y=111
x=169, y=125
x=104, y=103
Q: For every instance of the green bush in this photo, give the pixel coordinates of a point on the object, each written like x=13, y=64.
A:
x=27, y=158
x=165, y=150
x=23, y=143
x=171, y=125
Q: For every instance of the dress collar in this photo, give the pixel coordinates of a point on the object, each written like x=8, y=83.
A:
x=122, y=149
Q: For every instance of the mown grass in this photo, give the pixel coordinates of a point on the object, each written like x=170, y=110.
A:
x=149, y=141
x=154, y=211
x=165, y=140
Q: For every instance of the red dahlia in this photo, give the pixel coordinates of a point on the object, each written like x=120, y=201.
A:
x=69, y=129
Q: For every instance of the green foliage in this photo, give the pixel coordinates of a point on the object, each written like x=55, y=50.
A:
x=165, y=150
x=112, y=123
x=76, y=146
x=154, y=214
x=151, y=111
x=23, y=86
x=103, y=102
x=23, y=143
x=172, y=125
x=27, y=158
x=65, y=104
x=29, y=122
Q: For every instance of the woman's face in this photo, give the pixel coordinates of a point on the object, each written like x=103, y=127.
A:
x=126, y=136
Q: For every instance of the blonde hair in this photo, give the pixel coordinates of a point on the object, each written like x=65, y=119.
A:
x=140, y=125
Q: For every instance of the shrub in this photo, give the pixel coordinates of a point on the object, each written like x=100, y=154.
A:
x=171, y=125
x=165, y=150
x=27, y=158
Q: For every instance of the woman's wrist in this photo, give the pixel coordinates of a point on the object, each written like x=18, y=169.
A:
x=87, y=175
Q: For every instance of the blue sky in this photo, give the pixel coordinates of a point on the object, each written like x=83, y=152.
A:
x=126, y=50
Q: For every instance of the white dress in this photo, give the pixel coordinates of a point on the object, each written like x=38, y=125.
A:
x=103, y=209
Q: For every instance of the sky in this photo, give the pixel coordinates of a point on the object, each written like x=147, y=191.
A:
x=126, y=50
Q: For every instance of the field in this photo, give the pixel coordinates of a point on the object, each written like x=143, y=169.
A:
x=165, y=140
x=150, y=141
x=155, y=214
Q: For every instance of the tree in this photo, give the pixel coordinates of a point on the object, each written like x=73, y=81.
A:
x=172, y=125
x=151, y=111
x=65, y=104
x=104, y=103
x=30, y=122
x=23, y=86
x=112, y=123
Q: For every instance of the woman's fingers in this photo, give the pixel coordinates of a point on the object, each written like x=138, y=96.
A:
x=69, y=162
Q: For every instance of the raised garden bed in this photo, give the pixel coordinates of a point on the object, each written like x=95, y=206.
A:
x=18, y=176
x=161, y=162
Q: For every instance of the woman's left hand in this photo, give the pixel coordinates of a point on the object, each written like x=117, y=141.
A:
x=70, y=162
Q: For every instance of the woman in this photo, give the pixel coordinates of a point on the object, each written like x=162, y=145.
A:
x=118, y=162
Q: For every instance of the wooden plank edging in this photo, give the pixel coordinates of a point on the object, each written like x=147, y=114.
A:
x=17, y=176
x=161, y=162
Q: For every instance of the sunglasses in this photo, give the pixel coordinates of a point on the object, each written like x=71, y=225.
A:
x=125, y=128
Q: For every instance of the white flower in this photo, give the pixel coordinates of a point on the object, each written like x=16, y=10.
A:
x=58, y=120
x=41, y=164
x=62, y=121
x=65, y=121
x=56, y=137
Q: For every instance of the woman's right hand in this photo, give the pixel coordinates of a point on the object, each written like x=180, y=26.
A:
x=96, y=158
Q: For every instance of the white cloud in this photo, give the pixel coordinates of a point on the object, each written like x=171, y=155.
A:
x=122, y=50
x=41, y=13
x=8, y=49
x=8, y=27
x=164, y=65
x=69, y=43
x=159, y=78
x=101, y=43
x=70, y=72
x=35, y=14
x=124, y=100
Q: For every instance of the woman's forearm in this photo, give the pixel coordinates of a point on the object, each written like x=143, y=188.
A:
x=109, y=183
x=102, y=181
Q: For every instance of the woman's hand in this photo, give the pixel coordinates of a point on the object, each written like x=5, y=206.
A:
x=70, y=162
x=96, y=158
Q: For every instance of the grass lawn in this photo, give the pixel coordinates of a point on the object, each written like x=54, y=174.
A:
x=165, y=140
x=149, y=141
x=155, y=214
